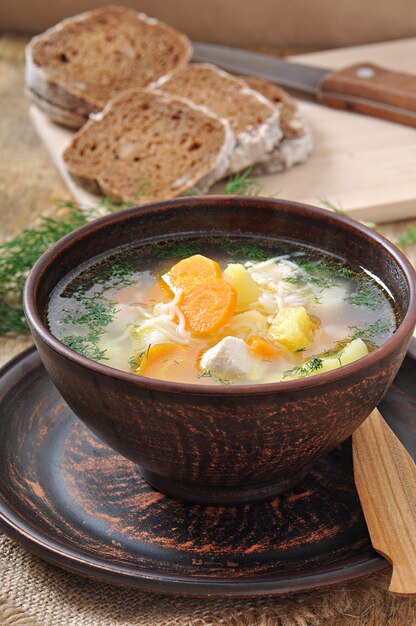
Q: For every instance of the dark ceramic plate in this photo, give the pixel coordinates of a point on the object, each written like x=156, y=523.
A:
x=74, y=502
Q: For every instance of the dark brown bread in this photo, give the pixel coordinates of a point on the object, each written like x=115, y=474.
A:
x=150, y=146
x=296, y=144
x=253, y=119
x=84, y=61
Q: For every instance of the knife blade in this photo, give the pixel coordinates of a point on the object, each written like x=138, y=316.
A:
x=363, y=88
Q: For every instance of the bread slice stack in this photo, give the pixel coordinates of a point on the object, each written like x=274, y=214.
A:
x=77, y=66
x=158, y=126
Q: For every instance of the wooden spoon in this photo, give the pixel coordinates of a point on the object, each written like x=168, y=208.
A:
x=385, y=477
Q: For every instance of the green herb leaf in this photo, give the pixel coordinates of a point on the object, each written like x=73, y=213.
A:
x=18, y=255
x=407, y=237
x=205, y=374
x=375, y=329
x=311, y=365
x=366, y=295
x=242, y=184
x=86, y=346
x=193, y=191
x=254, y=253
x=174, y=250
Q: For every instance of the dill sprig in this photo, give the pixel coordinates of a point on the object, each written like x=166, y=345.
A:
x=375, y=329
x=321, y=273
x=174, y=250
x=193, y=191
x=338, y=348
x=205, y=374
x=366, y=333
x=305, y=369
x=209, y=374
x=337, y=209
x=331, y=205
x=366, y=295
x=136, y=361
x=19, y=254
x=242, y=184
x=407, y=237
x=252, y=252
x=86, y=346
x=239, y=184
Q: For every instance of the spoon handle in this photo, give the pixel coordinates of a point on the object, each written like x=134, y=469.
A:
x=385, y=477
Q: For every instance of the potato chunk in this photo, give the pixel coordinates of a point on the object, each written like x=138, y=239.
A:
x=352, y=352
x=292, y=328
x=247, y=289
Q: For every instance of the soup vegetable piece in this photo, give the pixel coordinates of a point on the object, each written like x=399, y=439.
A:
x=218, y=311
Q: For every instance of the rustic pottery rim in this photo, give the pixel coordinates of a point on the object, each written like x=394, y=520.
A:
x=52, y=254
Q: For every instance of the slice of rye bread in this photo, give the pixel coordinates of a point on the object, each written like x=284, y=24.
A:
x=75, y=67
x=253, y=119
x=148, y=145
x=296, y=144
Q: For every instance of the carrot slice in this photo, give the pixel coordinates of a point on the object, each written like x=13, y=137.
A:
x=261, y=347
x=208, y=305
x=159, y=292
x=150, y=361
x=168, y=361
x=193, y=269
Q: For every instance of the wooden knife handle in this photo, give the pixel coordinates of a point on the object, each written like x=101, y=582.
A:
x=372, y=90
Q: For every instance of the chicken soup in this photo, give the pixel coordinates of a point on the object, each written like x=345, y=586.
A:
x=222, y=311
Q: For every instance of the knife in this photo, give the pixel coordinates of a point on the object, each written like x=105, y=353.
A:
x=363, y=88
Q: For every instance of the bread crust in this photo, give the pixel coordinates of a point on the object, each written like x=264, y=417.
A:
x=296, y=144
x=63, y=117
x=56, y=91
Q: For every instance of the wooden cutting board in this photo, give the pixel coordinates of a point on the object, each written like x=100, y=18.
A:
x=364, y=165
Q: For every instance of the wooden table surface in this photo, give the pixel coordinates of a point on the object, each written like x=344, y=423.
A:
x=29, y=185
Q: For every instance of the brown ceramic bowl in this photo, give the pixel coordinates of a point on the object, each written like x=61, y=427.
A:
x=222, y=444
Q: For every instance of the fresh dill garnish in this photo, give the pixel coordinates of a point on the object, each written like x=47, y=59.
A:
x=252, y=252
x=366, y=295
x=174, y=250
x=209, y=374
x=407, y=237
x=375, y=329
x=300, y=350
x=295, y=280
x=224, y=381
x=19, y=254
x=86, y=346
x=96, y=313
x=321, y=273
x=331, y=205
x=12, y=319
x=205, y=374
x=311, y=365
x=337, y=209
x=193, y=191
x=366, y=333
x=242, y=184
x=337, y=349
x=135, y=362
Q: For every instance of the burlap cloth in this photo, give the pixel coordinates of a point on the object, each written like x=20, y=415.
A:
x=34, y=593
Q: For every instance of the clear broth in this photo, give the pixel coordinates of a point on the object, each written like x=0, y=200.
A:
x=99, y=309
